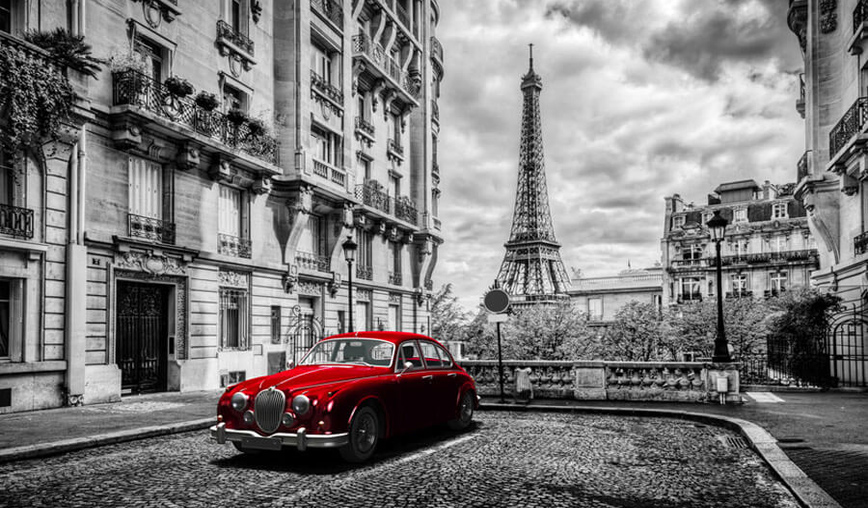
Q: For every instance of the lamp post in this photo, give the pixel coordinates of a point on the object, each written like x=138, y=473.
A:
x=717, y=226
x=350, y=254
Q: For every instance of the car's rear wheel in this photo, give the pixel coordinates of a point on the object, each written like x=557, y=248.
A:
x=465, y=412
x=364, y=433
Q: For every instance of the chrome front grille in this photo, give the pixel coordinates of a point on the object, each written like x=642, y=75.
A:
x=268, y=409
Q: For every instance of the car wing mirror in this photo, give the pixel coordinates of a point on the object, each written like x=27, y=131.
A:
x=290, y=364
x=407, y=366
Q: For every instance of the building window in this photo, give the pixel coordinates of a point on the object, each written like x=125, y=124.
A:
x=691, y=288
x=692, y=252
x=435, y=202
x=678, y=221
x=229, y=216
x=275, y=324
x=740, y=215
x=366, y=169
x=7, y=181
x=395, y=185
x=235, y=18
x=362, y=319
x=145, y=188
x=393, y=318
x=779, y=211
x=233, y=98
x=777, y=282
x=233, y=318
x=326, y=146
x=362, y=106
x=778, y=243
x=395, y=129
x=324, y=64
x=8, y=16
x=155, y=56
x=595, y=309
x=395, y=254
x=739, y=284
x=739, y=247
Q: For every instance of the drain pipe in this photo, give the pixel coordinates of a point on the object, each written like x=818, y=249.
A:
x=76, y=278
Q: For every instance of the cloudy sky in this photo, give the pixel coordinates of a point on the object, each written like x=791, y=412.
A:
x=641, y=99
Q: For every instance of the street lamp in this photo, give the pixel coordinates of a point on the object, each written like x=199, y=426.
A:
x=350, y=254
x=717, y=226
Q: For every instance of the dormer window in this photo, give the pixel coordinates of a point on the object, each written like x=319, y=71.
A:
x=678, y=221
x=740, y=215
x=779, y=211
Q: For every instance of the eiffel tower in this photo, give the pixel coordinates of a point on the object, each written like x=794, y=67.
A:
x=532, y=270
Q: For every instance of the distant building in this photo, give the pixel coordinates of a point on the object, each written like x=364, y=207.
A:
x=768, y=247
x=603, y=297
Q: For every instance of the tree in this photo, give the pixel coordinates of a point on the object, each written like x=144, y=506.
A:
x=636, y=334
x=449, y=320
x=693, y=326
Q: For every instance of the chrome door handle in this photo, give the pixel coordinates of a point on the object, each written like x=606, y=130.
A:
x=429, y=377
x=451, y=374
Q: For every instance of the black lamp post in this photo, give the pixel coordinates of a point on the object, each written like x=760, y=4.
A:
x=350, y=254
x=717, y=226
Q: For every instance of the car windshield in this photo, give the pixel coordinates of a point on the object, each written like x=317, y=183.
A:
x=352, y=350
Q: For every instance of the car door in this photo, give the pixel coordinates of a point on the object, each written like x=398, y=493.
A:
x=440, y=391
x=415, y=388
x=453, y=380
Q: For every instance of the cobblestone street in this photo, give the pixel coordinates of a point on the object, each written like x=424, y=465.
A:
x=507, y=459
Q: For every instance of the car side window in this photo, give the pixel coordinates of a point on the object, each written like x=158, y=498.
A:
x=445, y=360
x=429, y=352
x=409, y=353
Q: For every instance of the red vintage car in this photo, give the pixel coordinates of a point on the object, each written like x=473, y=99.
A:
x=348, y=392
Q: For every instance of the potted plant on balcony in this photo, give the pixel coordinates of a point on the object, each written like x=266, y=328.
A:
x=67, y=49
x=178, y=86
x=236, y=117
x=256, y=127
x=207, y=101
x=130, y=73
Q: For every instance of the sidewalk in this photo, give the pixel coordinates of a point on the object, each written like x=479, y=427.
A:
x=821, y=433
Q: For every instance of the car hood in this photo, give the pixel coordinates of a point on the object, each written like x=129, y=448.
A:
x=313, y=375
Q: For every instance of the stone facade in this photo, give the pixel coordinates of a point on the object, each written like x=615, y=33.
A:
x=208, y=233
x=603, y=297
x=768, y=247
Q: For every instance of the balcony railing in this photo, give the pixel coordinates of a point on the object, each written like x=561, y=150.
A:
x=739, y=294
x=435, y=111
x=16, y=221
x=767, y=257
x=241, y=41
x=154, y=230
x=365, y=272
x=802, y=166
x=365, y=126
x=860, y=243
x=429, y=284
x=332, y=10
x=395, y=278
x=136, y=89
x=395, y=148
x=849, y=125
x=371, y=194
x=436, y=48
x=313, y=261
x=233, y=246
x=860, y=15
x=319, y=84
x=320, y=169
x=363, y=45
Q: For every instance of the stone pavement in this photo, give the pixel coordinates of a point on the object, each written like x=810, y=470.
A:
x=820, y=434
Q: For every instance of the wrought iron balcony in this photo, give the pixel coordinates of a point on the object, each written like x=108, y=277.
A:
x=365, y=126
x=312, y=261
x=405, y=210
x=363, y=46
x=331, y=10
x=395, y=148
x=860, y=243
x=233, y=246
x=436, y=49
x=154, y=230
x=239, y=40
x=371, y=194
x=319, y=84
x=849, y=126
x=136, y=89
x=16, y=221
x=860, y=15
x=365, y=272
x=395, y=278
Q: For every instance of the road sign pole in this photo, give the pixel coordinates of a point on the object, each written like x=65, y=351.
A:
x=500, y=364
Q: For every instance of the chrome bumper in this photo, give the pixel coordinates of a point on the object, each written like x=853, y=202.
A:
x=301, y=439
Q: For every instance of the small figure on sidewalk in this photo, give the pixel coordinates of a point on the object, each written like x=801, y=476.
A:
x=523, y=386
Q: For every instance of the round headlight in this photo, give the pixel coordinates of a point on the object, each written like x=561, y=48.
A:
x=300, y=404
x=239, y=402
x=248, y=417
x=288, y=419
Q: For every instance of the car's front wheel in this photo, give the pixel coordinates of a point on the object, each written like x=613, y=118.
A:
x=364, y=433
x=465, y=412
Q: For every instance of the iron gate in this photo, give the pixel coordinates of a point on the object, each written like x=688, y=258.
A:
x=848, y=359
x=142, y=322
x=302, y=333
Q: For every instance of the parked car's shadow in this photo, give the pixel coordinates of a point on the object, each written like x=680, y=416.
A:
x=326, y=462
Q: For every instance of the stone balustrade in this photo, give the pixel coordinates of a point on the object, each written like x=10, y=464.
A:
x=598, y=380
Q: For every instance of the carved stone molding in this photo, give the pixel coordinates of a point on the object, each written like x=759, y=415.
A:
x=233, y=278
x=150, y=263
x=156, y=11
x=221, y=170
x=261, y=185
x=188, y=156
x=310, y=288
x=301, y=201
x=364, y=295
x=797, y=20
x=290, y=279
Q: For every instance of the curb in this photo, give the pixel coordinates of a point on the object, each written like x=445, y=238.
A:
x=764, y=444
x=81, y=443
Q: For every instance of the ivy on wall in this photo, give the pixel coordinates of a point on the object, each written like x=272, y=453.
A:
x=35, y=97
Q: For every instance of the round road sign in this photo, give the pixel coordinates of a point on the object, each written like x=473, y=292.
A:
x=496, y=300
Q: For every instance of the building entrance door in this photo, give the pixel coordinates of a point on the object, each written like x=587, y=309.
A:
x=142, y=336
